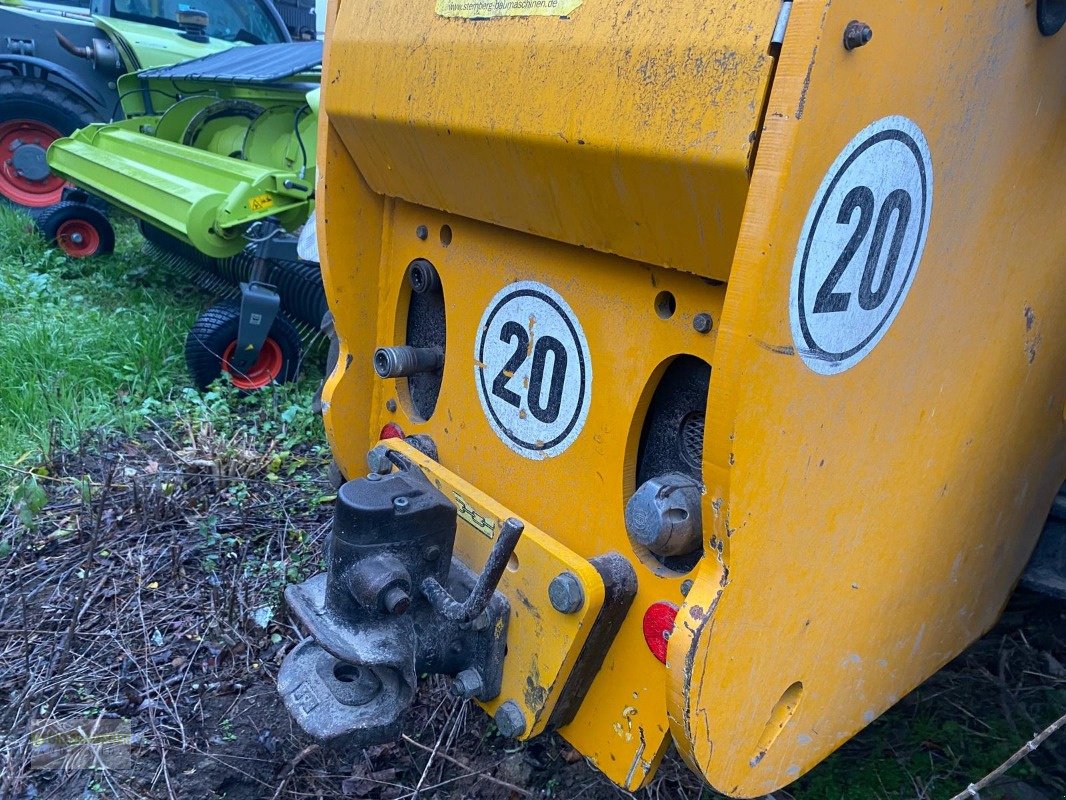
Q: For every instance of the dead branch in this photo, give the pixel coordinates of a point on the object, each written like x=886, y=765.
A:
x=972, y=791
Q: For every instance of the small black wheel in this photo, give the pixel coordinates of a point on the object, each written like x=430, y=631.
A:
x=79, y=230
x=213, y=338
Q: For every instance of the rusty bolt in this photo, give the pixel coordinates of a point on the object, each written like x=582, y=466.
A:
x=565, y=593
x=378, y=460
x=467, y=684
x=510, y=721
x=856, y=34
x=396, y=600
x=702, y=323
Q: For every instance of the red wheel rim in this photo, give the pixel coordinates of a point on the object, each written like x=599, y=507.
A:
x=264, y=371
x=14, y=186
x=78, y=238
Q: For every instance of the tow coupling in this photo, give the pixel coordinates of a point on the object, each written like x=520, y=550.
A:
x=392, y=605
x=395, y=602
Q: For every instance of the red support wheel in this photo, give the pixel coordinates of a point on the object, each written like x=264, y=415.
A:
x=263, y=372
x=24, y=175
x=77, y=238
x=211, y=342
x=77, y=229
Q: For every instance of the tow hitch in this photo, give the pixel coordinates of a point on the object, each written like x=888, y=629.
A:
x=393, y=605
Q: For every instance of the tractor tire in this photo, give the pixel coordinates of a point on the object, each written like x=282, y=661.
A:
x=213, y=338
x=79, y=230
x=33, y=114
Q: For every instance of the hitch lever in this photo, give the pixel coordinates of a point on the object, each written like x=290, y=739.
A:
x=478, y=600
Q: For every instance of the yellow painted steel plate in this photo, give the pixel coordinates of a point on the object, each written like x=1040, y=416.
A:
x=879, y=489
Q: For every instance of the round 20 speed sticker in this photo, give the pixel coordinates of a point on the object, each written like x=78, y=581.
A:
x=861, y=245
x=533, y=370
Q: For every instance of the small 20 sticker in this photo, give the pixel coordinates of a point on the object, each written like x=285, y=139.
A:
x=533, y=370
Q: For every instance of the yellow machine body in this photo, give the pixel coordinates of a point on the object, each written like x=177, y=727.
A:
x=865, y=514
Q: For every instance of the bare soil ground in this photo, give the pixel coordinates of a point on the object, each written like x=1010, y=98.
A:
x=147, y=587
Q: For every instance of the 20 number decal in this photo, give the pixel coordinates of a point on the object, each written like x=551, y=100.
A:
x=514, y=333
x=533, y=370
x=861, y=245
x=861, y=199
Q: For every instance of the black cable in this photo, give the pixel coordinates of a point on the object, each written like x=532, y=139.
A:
x=299, y=139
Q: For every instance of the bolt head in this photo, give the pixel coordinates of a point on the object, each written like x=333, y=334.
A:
x=857, y=34
x=422, y=232
x=565, y=593
x=431, y=553
x=467, y=684
x=702, y=323
x=510, y=721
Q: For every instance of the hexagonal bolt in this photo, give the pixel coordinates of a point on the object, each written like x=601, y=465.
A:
x=857, y=34
x=467, y=684
x=702, y=323
x=378, y=460
x=396, y=600
x=510, y=721
x=565, y=593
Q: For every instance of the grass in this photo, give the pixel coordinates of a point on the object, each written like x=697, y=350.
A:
x=84, y=343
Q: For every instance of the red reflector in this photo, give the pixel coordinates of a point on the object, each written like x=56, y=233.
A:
x=391, y=431
x=658, y=622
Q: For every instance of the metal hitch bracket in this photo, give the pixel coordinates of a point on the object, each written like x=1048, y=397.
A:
x=392, y=605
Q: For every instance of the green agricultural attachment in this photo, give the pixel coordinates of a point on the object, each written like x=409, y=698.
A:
x=216, y=157
x=208, y=146
x=60, y=62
